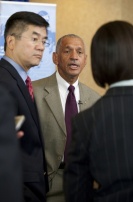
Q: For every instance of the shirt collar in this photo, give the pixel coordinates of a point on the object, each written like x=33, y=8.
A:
x=63, y=84
x=18, y=68
x=122, y=83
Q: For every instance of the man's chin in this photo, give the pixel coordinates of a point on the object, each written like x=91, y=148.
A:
x=35, y=64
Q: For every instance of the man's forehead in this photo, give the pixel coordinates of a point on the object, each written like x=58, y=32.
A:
x=73, y=46
x=36, y=30
x=72, y=39
x=72, y=42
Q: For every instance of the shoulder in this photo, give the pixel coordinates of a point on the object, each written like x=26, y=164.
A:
x=87, y=91
x=43, y=81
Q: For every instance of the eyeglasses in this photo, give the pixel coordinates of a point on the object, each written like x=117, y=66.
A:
x=34, y=39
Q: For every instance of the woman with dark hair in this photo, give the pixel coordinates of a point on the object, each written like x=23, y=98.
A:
x=100, y=164
x=112, y=53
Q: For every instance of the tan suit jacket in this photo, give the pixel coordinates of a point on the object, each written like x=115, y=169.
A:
x=52, y=119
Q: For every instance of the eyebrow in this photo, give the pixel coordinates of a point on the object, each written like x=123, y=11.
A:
x=36, y=33
x=72, y=47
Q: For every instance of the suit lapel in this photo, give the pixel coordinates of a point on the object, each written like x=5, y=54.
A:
x=84, y=98
x=22, y=87
x=52, y=97
x=30, y=103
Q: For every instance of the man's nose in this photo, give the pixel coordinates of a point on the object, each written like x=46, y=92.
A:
x=74, y=55
x=40, y=45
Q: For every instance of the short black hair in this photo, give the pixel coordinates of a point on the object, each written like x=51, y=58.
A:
x=112, y=53
x=18, y=22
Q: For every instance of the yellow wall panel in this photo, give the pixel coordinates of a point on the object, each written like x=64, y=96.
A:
x=83, y=17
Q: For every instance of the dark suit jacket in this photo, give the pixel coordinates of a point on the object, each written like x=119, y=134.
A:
x=10, y=163
x=101, y=150
x=31, y=143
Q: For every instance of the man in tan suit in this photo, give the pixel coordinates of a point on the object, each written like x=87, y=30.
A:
x=50, y=94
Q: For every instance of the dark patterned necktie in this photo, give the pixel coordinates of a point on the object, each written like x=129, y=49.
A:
x=29, y=86
x=70, y=111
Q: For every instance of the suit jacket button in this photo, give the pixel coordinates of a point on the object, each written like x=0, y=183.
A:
x=59, y=158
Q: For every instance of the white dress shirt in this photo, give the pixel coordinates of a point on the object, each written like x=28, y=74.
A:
x=63, y=90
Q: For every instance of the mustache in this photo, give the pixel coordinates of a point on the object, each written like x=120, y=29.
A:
x=73, y=63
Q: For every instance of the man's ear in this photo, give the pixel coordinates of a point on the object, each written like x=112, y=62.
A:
x=55, y=58
x=85, y=59
x=10, y=41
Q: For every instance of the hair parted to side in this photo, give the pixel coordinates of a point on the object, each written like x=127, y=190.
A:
x=67, y=36
x=112, y=53
x=18, y=22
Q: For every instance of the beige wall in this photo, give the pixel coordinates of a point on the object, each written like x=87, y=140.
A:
x=83, y=17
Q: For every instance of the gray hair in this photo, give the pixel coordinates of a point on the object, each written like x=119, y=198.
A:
x=65, y=36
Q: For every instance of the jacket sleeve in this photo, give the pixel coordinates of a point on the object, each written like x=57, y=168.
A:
x=77, y=178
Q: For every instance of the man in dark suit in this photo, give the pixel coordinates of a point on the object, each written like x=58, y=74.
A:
x=102, y=141
x=10, y=161
x=25, y=39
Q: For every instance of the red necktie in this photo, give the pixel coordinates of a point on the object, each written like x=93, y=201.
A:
x=70, y=111
x=29, y=86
